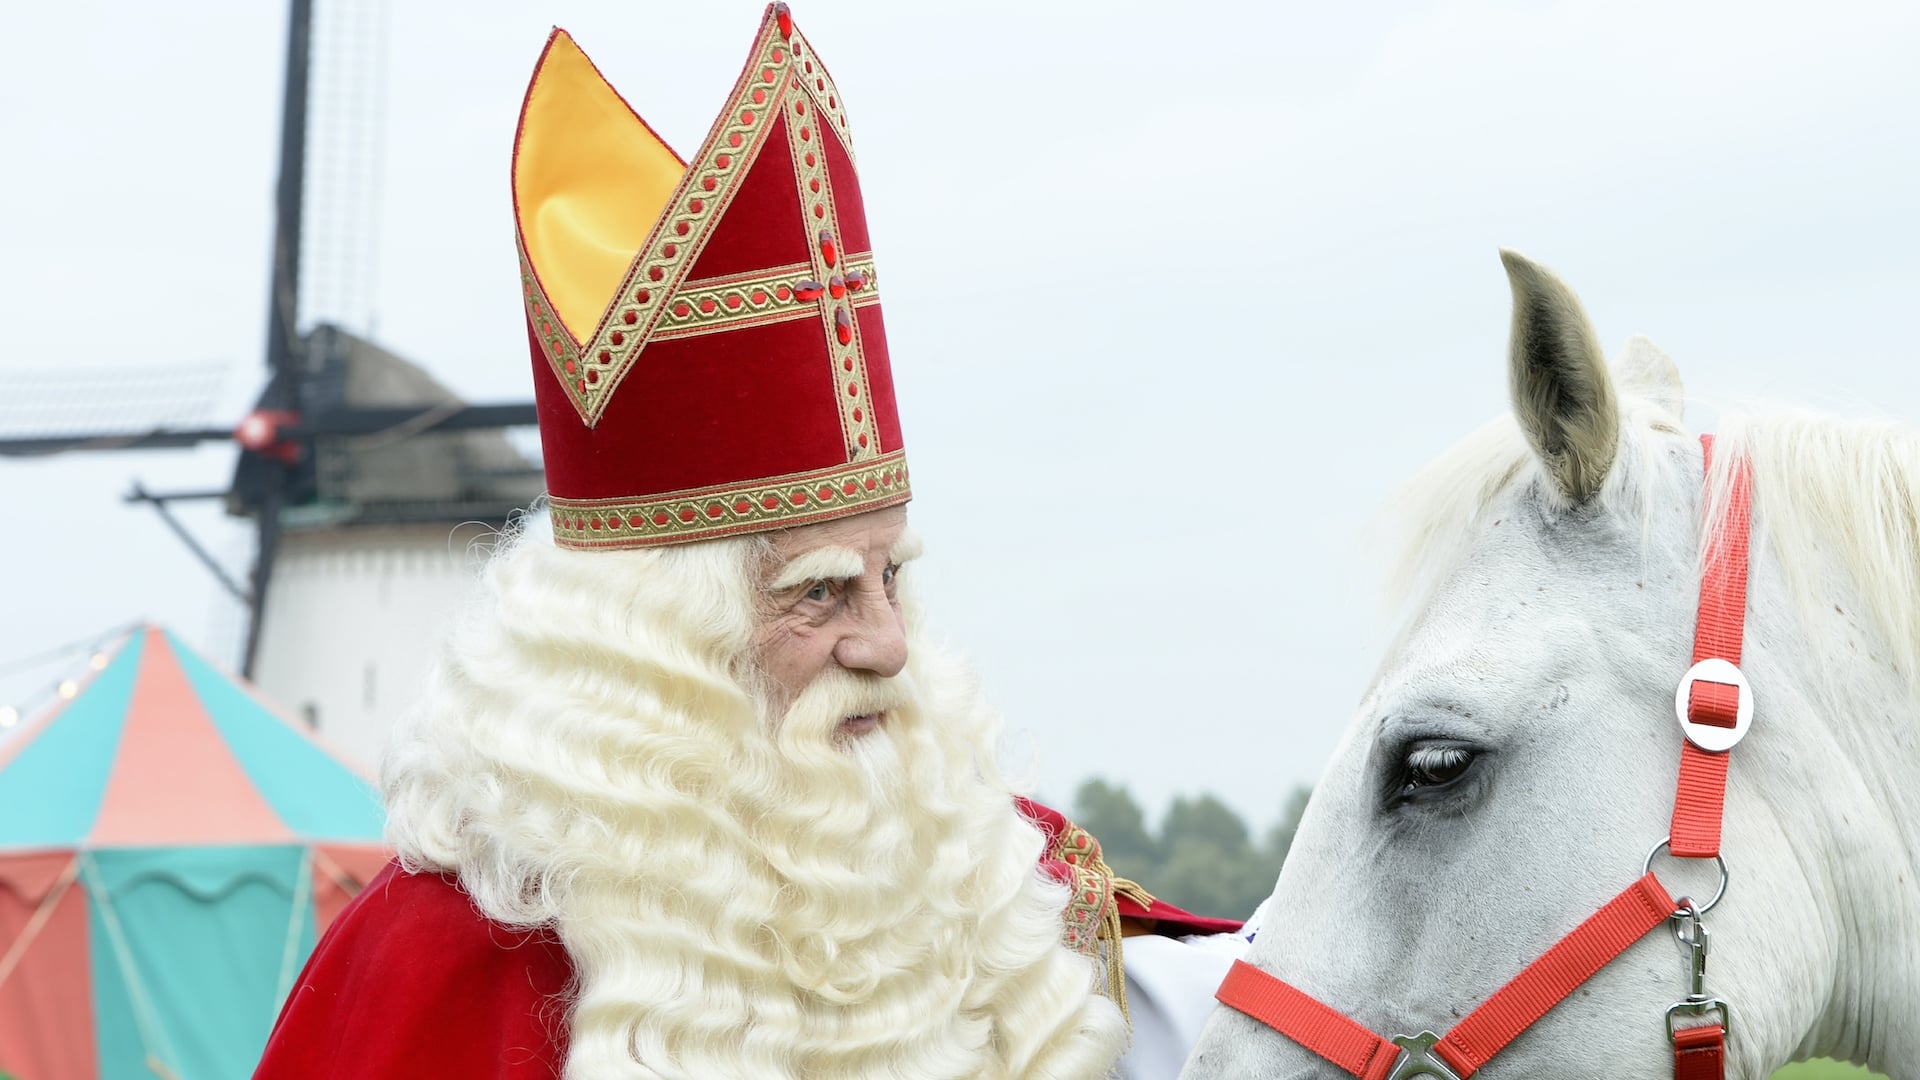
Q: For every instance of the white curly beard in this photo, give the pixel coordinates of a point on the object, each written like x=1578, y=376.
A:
x=740, y=898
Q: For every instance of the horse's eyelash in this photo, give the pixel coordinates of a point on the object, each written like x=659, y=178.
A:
x=1422, y=758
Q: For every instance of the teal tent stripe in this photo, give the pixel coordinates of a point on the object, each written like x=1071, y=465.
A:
x=315, y=795
x=205, y=931
x=50, y=793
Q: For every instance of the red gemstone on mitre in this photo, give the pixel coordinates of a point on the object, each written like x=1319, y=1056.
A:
x=617, y=337
x=682, y=309
x=594, y=524
x=707, y=305
x=853, y=389
x=733, y=140
x=837, y=285
x=871, y=482
x=642, y=296
x=687, y=515
x=746, y=117
x=856, y=279
x=714, y=510
x=805, y=134
x=857, y=416
x=759, y=296
x=681, y=227
x=848, y=364
x=783, y=293
x=800, y=107
x=808, y=290
x=613, y=522
x=850, y=487
x=826, y=493
x=722, y=161
x=733, y=301
x=863, y=439
x=842, y=326
x=743, y=505
x=709, y=183
x=631, y=317
x=569, y=367
x=798, y=498
x=759, y=95
x=819, y=211
x=766, y=74
x=669, y=250
x=636, y=521
x=785, y=18
x=606, y=357
x=661, y=518
x=771, y=502
x=828, y=248
x=655, y=273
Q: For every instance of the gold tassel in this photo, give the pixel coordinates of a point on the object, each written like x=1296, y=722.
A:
x=1116, y=965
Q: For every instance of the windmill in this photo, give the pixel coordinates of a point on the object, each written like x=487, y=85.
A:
x=350, y=453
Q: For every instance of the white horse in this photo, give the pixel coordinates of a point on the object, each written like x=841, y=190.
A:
x=1515, y=758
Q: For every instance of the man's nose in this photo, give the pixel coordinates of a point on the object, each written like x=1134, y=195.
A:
x=877, y=639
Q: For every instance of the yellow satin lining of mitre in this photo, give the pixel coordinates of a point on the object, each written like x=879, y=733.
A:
x=590, y=180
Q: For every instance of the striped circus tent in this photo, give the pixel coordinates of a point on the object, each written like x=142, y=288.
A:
x=170, y=848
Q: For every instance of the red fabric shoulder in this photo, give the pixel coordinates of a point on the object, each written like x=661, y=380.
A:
x=1068, y=843
x=412, y=981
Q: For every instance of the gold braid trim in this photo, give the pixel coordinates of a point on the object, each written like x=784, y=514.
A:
x=1093, y=908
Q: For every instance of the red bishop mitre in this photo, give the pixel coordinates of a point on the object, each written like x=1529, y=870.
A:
x=707, y=347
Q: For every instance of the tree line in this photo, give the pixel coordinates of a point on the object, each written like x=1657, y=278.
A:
x=1203, y=857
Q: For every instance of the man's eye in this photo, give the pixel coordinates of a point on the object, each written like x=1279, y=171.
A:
x=820, y=592
x=887, y=575
x=1435, y=766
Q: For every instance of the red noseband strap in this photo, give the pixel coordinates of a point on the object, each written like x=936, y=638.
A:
x=1498, y=1021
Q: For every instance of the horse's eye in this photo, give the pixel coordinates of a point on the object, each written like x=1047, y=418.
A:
x=1435, y=765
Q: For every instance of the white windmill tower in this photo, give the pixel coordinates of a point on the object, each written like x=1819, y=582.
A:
x=358, y=469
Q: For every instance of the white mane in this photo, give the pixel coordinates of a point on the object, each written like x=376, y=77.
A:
x=1827, y=493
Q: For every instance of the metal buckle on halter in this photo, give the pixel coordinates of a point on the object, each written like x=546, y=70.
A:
x=1710, y=737
x=1719, y=862
x=1418, y=1059
x=1692, y=934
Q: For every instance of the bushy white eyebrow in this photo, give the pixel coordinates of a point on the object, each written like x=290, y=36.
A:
x=820, y=564
x=906, y=549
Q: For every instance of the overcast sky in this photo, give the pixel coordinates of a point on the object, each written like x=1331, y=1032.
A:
x=1177, y=293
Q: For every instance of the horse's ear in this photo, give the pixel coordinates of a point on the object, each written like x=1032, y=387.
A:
x=1646, y=372
x=1558, y=378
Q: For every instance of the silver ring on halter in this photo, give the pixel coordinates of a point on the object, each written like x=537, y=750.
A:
x=1717, y=861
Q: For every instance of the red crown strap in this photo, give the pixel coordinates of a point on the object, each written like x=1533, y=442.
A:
x=1700, y=796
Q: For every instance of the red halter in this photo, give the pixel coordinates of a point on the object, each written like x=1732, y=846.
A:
x=1715, y=709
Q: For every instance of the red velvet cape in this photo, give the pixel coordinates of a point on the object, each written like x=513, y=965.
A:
x=412, y=981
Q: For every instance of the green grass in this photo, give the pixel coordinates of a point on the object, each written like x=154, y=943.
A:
x=1824, y=1070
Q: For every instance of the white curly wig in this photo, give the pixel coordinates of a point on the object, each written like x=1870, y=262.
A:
x=741, y=895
